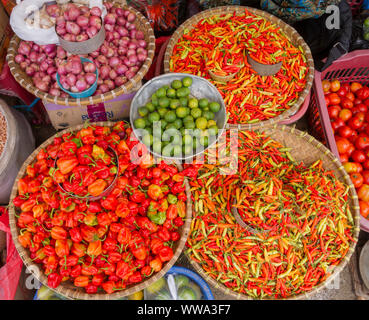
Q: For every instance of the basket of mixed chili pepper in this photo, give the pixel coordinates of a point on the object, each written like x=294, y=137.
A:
x=299, y=206
x=111, y=246
x=215, y=40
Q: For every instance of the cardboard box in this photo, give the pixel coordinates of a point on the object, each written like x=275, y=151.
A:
x=63, y=117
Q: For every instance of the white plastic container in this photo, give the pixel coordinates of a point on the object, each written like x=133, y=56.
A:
x=19, y=144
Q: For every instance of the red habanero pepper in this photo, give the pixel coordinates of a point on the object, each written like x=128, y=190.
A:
x=23, y=186
x=182, y=196
x=164, y=234
x=28, y=205
x=81, y=281
x=58, y=233
x=156, y=264
x=89, y=233
x=75, y=234
x=122, y=209
x=64, y=272
x=165, y=253
x=122, y=269
x=178, y=188
x=146, y=271
x=172, y=211
x=124, y=235
x=140, y=252
x=49, y=250
x=178, y=222
x=110, y=244
x=103, y=219
x=69, y=148
x=76, y=271
x=114, y=257
x=175, y=236
x=137, y=196
x=94, y=248
x=88, y=179
x=97, y=187
x=25, y=239
x=89, y=270
x=53, y=280
x=67, y=164
x=18, y=200
x=97, y=279
x=90, y=288
x=135, y=277
x=155, y=192
x=115, y=227
x=109, y=203
x=61, y=248
x=88, y=139
x=94, y=207
x=108, y=286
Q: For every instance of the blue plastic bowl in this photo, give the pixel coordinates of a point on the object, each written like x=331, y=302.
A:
x=84, y=94
x=205, y=289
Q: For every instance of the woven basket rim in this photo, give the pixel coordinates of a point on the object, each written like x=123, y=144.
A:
x=355, y=210
x=287, y=29
x=129, y=86
x=78, y=293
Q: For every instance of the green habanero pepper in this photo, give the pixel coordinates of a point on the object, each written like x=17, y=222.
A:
x=172, y=199
x=157, y=218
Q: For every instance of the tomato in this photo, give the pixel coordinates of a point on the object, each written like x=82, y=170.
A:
x=362, y=142
x=357, y=179
x=345, y=114
x=326, y=86
x=366, y=102
x=334, y=98
x=363, y=93
x=342, y=144
x=352, y=167
x=346, y=103
x=327, y=101
x=366, y=164
x=333, y=111
x=337, y=123
x=346, y=86
x=364, y=208
x=355, y=123
x=345, y=131
x=350, y=150
x=363, y=192
x=357, y=101
x=335, y=85
x=354, y=86
x=342, y=92
x=358, y=156
x=344, y=158
x=362, y=107
x=350, y=96
x=365, y=175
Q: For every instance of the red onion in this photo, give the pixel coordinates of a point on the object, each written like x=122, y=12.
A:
x=35, y=47
x=94, y=54
x=53, y=10
x=73, y=13
x=89, y=67
x=102, y=59
x=71, y=79
x=60, y=21
x=41, y=85
x=142, y=43
x=90, y=78
x=82, y=37
x=131, y=17
x=44, y=66
x=24, y=48
x=130, y=74
x=23, y=65
x=119, y=81
x=60, y=30
x=33, y=56
x=109, y=27
x=123, y=32
x=122, y=51
x=69, y=37
x=140, y=35
x=112, y=74
x=30, y=71
x=60, y=52
x=82, y=21
x=81, y=85
x=54, y=92
x=110, y=18
x=41, y=57
x=126, y=13
x=19, y=58
x=72, y=28
x=121, y=69
x=121, y=21
x=95, y=22
x=110, y=84
x=95, y=11
x=91, y=31
x=104, y=72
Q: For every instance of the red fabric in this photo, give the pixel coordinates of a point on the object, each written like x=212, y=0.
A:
x=158, y=43
x=10, y=273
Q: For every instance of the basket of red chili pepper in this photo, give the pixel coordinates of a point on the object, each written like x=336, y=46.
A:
x=301, y=214
x=215, y=39
x=106, y=247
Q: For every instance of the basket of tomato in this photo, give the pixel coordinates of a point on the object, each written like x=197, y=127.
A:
x=339, y=116
x=118, y=242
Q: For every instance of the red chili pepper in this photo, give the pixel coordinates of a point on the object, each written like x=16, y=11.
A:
x=53, y=280
x=165, y=253
x=81, y=281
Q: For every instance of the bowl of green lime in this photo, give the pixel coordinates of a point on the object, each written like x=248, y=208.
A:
x=178, y=115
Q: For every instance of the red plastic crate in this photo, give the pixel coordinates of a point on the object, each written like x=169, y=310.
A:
x=353, y=66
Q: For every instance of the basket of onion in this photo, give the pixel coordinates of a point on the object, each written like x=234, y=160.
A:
x=122, y=60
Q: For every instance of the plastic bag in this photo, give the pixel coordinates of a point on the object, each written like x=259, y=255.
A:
x=26, y=8
x=9, y=274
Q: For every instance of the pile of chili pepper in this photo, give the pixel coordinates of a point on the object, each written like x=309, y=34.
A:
x=107, y=244
x=249, y=97
x=301, y=214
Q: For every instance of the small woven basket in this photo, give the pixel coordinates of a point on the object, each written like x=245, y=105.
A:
x=67, y=289
x=294, y=37
x=306, y=149
x=25, y=81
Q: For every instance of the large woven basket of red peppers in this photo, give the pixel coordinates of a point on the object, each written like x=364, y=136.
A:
x=93, y=217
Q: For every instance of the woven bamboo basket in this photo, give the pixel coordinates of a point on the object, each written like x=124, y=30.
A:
x=294, y=37
x=25, y=81
x=307, y=149
x=67, y=289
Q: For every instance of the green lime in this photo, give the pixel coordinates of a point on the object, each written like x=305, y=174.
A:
x=174, y=103
x=150, y=106
x=171, y=93
x=183, y=101
x=187, y=81
x=148, y=130
x=211, y=123
x=188, y=118
x=201, y=123
x=166, y=87
x=162, y=92
x=213, y=130
x=203, y=102
x=182, y=112
x=366, y=22
x=196, y=113
x=187, y=149
x=154, y=99
x=195, y=143
x=208, y=115
x=189, y=125
x=214, y=106
x=206, y=108
x=157, y=285
x=153, y=116
x=187, y=139
x=162, y=111
x=366, y=36
x=177, y=151
x=193, y=103
x=176, y=84
x=156, y=147
x=163, y=123
x=143, y=111
x=181, y=280
x=171, y=126
x=147, y=139
x=140, y=123
x=147, y=122
x=182, y=131
x=178, y=123
x=186, y=293
x=176, y=139
x=170, y=116
x=204, y=141
x=183, y=92
x=167, y=151
x=164, y=102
